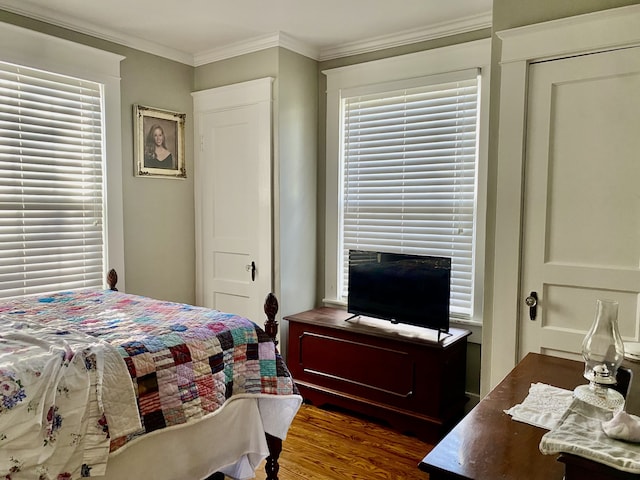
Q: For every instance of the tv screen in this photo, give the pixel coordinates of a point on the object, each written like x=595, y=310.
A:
x=412, y=289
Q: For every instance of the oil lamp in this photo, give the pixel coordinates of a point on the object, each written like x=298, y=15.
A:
x=603, y=351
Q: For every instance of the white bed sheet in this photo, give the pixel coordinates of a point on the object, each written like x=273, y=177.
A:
x=231, y=441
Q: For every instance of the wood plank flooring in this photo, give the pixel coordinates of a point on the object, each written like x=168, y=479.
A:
x=326, y=445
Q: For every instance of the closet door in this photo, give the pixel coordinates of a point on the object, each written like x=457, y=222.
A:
x=233, y=198
x=581, y=223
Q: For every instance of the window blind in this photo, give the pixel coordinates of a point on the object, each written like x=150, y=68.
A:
x=51, y=182
x=409, y=177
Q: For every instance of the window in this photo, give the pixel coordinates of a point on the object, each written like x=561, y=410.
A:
x=51, y=176
x=54, y=224
x=407, y=164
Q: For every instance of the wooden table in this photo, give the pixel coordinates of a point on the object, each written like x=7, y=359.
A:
x=488, y=444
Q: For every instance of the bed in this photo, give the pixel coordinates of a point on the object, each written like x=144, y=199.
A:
x=104, y=384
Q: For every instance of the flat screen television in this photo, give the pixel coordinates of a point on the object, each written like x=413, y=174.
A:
x=412, y=289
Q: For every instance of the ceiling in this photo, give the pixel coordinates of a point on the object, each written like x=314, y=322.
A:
x=200, y=31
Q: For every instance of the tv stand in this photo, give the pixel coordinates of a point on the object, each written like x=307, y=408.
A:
x=406, y=376
x=352, y=317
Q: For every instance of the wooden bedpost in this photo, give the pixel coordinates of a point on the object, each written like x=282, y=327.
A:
x=274, y=444
x=112, y=279
x=271, y=309
x=272, y=466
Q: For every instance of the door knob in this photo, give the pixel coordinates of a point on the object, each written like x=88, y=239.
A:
x=532, y=303
x=252, y=268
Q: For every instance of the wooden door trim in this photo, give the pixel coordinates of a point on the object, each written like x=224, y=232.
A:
x=599, y=31
x=219, y=99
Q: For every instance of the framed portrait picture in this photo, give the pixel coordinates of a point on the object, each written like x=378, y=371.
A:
x=159, y=142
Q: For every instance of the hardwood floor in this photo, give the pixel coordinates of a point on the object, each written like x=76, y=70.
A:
x=327, y=445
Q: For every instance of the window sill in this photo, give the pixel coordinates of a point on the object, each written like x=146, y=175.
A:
x=473, y=326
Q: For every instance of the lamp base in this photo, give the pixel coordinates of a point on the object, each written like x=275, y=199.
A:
x=599, y=396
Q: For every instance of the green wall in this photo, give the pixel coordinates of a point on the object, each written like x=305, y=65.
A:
x=159, y=224
x=243, y=68
x=517, y=13
x=159, y=218
x=159, y=230
x=158, y=213
x=296, y=155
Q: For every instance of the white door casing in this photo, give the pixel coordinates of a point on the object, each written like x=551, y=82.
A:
x=233, y=197
x=594, y=32
x=581, y=223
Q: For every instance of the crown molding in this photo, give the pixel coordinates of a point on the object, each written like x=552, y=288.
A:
x=236, y=49
x=439, y=30
x=278, y=39
x=298, y=46
x=14, y=6
x=255, y=44
x=444, y=29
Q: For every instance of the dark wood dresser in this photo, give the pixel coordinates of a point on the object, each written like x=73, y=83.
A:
x=397, y=373
x=488, y=444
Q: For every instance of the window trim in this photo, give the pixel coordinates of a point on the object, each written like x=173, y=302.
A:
x=40, y=51
x=476, y=54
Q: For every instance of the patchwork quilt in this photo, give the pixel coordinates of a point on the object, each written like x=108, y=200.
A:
x=64, y=358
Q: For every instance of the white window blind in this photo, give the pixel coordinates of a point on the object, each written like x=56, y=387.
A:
x=409, y=177
x=51, y=182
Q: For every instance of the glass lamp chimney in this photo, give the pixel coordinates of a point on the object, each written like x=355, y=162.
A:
x=603, y=352
x=602, y=347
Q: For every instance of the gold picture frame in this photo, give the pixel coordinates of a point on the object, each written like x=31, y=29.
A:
x=159, y=142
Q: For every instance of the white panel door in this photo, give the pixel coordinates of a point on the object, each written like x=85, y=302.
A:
x=581, y=231
x=234, y=200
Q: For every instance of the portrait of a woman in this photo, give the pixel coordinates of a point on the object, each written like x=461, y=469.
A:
x=158, y=143
x=156, y=153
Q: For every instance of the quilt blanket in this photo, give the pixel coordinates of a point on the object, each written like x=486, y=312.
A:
x=183, y=361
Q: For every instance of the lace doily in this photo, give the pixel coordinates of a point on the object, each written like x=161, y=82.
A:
x=543, y=407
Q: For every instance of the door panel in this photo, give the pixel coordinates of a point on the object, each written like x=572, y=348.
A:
x=581, y=231
x=234, y=200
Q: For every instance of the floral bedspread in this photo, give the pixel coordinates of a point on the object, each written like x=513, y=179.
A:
x=183, y=362
x=57, y=389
